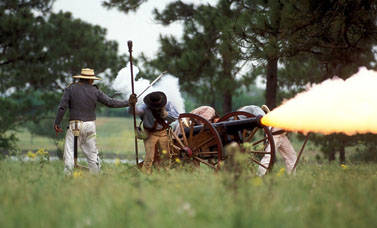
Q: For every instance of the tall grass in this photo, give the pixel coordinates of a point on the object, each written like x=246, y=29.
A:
x=34, y=194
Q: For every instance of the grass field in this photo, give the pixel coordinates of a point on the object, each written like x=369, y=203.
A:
x=35, y=194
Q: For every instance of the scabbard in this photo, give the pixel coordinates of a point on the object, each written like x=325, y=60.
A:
x=75, y=139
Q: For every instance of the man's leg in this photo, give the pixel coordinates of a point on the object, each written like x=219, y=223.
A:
x=267, y=158
x=89, y=145
x=163, y=146
x=288, y=153
x=265, y=161
x=68, y=152
x=149, y=145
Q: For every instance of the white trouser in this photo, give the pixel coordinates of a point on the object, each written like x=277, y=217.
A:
x=286, y=150
x=86, y=141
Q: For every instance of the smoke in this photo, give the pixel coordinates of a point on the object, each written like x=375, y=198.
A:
x=167, y=84
x=334, y=106
x=170, y=86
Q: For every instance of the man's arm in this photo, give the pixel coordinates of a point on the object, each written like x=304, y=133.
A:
x=139, y=110
x=111, y=102
x=170, y=114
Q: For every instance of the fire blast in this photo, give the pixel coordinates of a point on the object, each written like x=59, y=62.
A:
x=334, y=106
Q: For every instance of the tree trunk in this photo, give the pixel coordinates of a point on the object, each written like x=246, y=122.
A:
x=227, y=106
x=331, y=155
x=212, y=97
x=227, y=80
x=342, y=155
x=272, y=83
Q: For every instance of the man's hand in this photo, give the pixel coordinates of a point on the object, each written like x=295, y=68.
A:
x=163, y=113
x=265, y=109
x=132, y=100
x=57, y=128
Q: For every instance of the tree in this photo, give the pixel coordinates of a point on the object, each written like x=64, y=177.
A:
x=206, y=60
x=339, y=35
x=336, y=33
x=260, y=32
x=124, y=6
x=313, y=41
x=337, y=38
x=39, y=55
x=17, y=43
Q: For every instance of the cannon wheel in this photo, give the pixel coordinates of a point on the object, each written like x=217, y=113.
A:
x=205, y=147
x=251, y=143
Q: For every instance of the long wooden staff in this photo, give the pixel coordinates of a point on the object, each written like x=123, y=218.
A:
x=133, y=106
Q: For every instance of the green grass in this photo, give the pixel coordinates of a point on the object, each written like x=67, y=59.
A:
x=116, y=135
x=39, y=195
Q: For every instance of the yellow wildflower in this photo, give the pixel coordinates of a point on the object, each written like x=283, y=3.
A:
x=30, y=154
x=344, y=166
x=281, y=172
x=164, y=152
x=42, y=152
x=178, y=160
x=117, y=162
x=77, y=174
x=256, y=181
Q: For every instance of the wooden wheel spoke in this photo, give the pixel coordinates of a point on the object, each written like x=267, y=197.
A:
x=183, y=132
x=244, y=132
x=191, y=131
x=197, y=136
x=258, y=152
x=259, y=141
x=251, y=134
x=207, y=152
x=204, y=162
x=203, y=143
x=258, y=163
x=176, y=147
x=178, y=140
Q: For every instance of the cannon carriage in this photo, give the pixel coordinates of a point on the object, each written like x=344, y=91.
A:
x=199, y=141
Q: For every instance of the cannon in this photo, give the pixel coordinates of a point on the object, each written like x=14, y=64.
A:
x=201, y=142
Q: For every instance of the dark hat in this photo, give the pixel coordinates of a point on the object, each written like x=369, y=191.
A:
x=155, y=100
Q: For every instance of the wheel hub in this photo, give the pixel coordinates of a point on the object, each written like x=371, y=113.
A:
x=188, y=151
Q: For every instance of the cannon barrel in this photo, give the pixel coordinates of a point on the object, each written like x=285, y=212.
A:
x=232, y=126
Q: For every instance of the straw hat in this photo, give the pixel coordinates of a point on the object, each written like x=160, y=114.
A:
x=155, y=100
x=87, y=73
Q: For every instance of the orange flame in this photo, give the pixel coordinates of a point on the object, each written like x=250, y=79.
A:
x=334, y=106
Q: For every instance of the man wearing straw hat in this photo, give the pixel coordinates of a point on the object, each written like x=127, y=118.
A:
x=81, y=99
x=157, y=113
